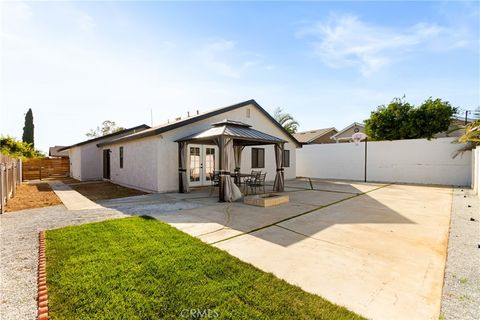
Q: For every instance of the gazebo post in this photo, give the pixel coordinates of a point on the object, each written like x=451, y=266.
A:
x=182, y=167
x=180, y=180
x=279, y=183
x=221, y=180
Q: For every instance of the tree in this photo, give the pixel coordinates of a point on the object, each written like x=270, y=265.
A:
x=107, y=128
x=402, y=120
x=28, y=128
x=286, y=120
x=14, y=148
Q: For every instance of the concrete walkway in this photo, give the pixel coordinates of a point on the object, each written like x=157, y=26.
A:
x=71, y=198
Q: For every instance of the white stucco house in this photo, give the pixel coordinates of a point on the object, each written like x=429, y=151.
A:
x=86, y=158
x=148, y=158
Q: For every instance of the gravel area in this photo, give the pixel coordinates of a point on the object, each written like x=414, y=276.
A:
x=19, y=253
x=461, y=290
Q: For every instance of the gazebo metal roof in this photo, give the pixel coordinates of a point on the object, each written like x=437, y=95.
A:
x=242, y=134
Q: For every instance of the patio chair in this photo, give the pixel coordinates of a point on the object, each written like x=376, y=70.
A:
x=250, y=181
x=214, y=181
x=259, y=182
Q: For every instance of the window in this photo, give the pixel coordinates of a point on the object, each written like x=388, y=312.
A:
x=248, y=112
x=258, y=158
x=121, y=157
x=286, y=158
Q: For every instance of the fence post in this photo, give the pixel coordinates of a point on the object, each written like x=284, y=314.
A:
x=14, y=180
x=7, y=187
x=20, y=172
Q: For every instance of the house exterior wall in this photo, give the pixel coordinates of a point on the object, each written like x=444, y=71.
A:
x=406, y=161
x=139, y=164
x=75, y=155
x=476, y=170
x=166, y=152
x=86, y=160
x=92, y=162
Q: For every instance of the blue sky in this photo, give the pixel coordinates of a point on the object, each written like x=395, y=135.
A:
x=327, y=63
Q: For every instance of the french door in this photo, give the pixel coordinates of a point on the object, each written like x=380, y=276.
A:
x=202, y=161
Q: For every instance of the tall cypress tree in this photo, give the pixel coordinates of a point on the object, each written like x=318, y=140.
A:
x=28, y=128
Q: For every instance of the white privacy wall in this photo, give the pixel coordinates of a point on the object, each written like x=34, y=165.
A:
x=406, y=161
x=476, y=170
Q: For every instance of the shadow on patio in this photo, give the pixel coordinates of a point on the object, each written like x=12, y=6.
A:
x=201, y=215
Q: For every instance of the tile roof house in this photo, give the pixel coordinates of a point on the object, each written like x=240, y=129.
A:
x=317, y=136
x=345, y=135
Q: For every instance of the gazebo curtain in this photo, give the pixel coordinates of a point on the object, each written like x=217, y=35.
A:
x=182, y=167
x=278, y=185
x=237, y=150
x=230, y=191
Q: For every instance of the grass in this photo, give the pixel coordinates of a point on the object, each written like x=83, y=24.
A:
x=141, y=268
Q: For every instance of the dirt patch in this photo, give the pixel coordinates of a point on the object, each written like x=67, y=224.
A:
x=32, y=195
x=104, y=190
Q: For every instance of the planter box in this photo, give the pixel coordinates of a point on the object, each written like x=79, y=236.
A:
x=266, y=200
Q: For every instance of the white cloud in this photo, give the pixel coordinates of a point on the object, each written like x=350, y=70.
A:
x=227, y=59
x=85, y=21
x=215, y=56
x=347, y=41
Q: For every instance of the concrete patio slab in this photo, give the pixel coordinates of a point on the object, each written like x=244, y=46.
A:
x=317, y=198
x=381, y=254
x=71, y=198
x=354, y=187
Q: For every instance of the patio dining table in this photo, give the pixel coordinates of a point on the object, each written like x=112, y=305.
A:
x=237, y=176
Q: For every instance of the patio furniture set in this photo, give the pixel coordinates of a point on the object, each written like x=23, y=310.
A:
x=253, y=181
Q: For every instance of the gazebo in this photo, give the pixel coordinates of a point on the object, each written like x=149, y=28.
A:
x=231, y=137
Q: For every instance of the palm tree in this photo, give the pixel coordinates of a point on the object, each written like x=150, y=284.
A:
x=286, y=120
x=472, y=133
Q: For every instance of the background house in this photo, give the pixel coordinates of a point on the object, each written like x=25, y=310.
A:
x=345, y=135
x=316, y=136
x=53, y=152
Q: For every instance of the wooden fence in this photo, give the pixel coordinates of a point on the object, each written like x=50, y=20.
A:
x=10, y=178
x=46, y=168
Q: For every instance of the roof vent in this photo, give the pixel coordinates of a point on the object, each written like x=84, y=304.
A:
x=178, y=118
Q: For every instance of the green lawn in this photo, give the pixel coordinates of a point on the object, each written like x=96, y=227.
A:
x=140, y=268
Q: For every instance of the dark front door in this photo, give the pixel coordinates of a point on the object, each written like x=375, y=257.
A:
x=106, y=164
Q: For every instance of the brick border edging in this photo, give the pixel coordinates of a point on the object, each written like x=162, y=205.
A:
x=42, y=279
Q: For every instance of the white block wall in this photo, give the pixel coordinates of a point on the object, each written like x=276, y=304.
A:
x=476, y=170
x=405, y=161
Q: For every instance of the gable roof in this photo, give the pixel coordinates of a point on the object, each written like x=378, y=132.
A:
x=309, y=136
x=347, y=128
x=242, y=133
x=170, y=126
x=107, y=136
x=54, y=151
